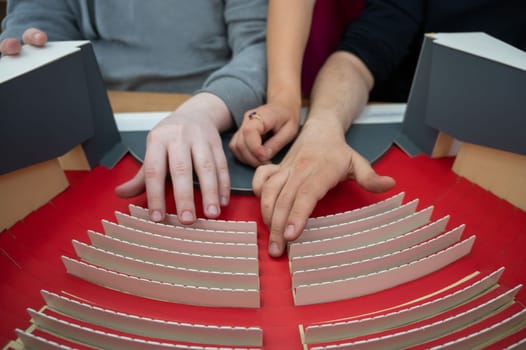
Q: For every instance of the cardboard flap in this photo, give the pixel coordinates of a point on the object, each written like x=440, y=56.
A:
x=52, y=100
x=470, y=86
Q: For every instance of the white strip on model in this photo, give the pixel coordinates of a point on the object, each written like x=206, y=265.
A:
x=379, y=263
x=521, y=344
x=154, y=328
x=313, y=234
x=428, y=332
x=371, y=250
x=185, y=232
x=178, y=244
x=100, y=339
x=36, y=342
x=360, y=238
x=164, y=273
x=490, y=335
x=341, y=330
x=384, y=113
x=356, y=214
x=171, y=292
x=378, y=281
x=174, y=258
x=203, y=224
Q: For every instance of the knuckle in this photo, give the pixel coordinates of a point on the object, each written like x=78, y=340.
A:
x=232, y=145
x=206, y=164
x=151, y=172
x=179, y=167
x=268, y=187
x=246, y=131
x=283, y=202
x=153, y=135
x=302, y=163
x=266, y=204
x=222, y=168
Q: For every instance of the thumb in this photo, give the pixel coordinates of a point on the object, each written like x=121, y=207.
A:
x=366, y=177
x=376, y=183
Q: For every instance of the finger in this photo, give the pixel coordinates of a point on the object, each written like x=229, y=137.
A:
x=367, y=178
x=254, y=142
x=269, y=196
x=132, y=187
x=233, y=145
x=239, y=149
x=155, y=178
x=223, y=176
x=247, y=155
x=180, y=163
x=282, y=205
x=35, y=37
x=305, y=201
x=377, y=184
x=262, y=174
x=10, y=46
x=279, y=140
x=205, y=167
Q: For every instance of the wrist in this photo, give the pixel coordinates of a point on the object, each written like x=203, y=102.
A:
x=210, y=106
x=324, y=122
x=289, y=97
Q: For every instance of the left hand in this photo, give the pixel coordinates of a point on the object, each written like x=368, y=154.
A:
x=318, y=160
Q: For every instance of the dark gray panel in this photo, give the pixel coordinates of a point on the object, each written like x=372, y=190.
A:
x=44, y=113
x=48, y=111
x=477, y=100
x=473, y=99
x=416, y=136
x=105, y=146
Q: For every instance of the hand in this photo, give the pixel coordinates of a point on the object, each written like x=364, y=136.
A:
x=317, y=161
x=248, y=145
x=32, y=36
x=189, y=136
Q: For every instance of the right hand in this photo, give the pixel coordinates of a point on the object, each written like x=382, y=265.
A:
x=318, y=160
x=32, y=36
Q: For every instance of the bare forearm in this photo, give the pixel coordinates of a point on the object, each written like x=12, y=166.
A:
x=287, y=32
x=341, y=90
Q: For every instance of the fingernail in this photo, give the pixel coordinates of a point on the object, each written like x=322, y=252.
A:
x=274, y=249
x=269, y=152
x=212, y=210
x=156, y=216
x=187, y=216
x=224, y=201
x=37, y=36
x=289, y=232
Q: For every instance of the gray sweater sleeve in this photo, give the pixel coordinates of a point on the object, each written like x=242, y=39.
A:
x=241, y=83
x=55, y=17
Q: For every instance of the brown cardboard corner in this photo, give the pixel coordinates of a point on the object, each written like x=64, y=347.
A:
x=27, y=189
x=500, y=172
x=75, y=160
x=443, y=145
